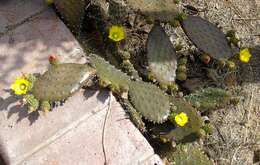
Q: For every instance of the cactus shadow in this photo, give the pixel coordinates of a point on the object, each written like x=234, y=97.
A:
x=6, y=102
x=22, y=113
x=102, y=95
x=10, y=104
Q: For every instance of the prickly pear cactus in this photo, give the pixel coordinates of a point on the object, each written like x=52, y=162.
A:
x=135, y=116
x=109, y=76
x=61, y=81
x=207, y=37
x=72, y=12
x=163, y=10
x=192, y=129
x=209, y=99
x=117, y=11
x=150, y=101
x=188, y=154
x=161, y=56
x=187, y=133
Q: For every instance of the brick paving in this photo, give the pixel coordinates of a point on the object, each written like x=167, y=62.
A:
x=72, y=133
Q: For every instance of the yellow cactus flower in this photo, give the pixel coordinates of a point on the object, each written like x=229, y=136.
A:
x=20, y=86
x=244, y=55
x=49, y=2
x=181, y=119
x=116, y=33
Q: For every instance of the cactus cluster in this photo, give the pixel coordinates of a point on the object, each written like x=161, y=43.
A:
x=146, y=98
x=172, y=119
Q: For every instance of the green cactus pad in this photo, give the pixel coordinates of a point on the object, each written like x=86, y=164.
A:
x=188, y=154
x=135, y=116
x=182, y=76
x=161, y=56
x=32, y=103
x=72, y=12
x=150, y=101
x=45, y=106
x=209, y=99
x=163, y=10
x=191, y=130
x=108, y=75
x=61, y=81
x=207, y=37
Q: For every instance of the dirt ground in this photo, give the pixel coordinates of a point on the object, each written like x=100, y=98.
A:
x=236, y=139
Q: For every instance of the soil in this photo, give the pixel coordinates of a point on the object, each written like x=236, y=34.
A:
x=236, y=139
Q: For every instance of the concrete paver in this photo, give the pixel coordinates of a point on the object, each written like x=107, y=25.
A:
x=20, y=137
x=121, y=142
x=13, y=12
x=71, y=133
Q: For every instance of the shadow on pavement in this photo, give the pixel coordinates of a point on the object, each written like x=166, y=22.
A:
x=11, y=104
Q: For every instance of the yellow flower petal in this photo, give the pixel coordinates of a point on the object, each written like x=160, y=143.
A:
x=49, y=2
x=116, y=33
x=244, y=55
x=181, y=119
x=20, y=86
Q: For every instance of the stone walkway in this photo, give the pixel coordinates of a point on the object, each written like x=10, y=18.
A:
x=72, y=133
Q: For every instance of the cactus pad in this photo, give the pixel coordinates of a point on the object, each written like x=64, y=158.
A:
x=108, y=75
x=61, y=81
x=73, y=13
x=163, y=10
x=209, y=98
x=150, y=101
x=161, y=56
x=189, y=154
x=192, y=129
x=207, y=37
x=187, y=133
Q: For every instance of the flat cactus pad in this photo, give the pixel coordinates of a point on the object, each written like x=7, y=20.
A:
x=161, y=56
x=209, y=99
x=59, y=82
x=109, y=75
x=72, y=12
x=189, y=154
x=191, y=130
x=207, y=37
x=150, y=101
x=163, y=10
